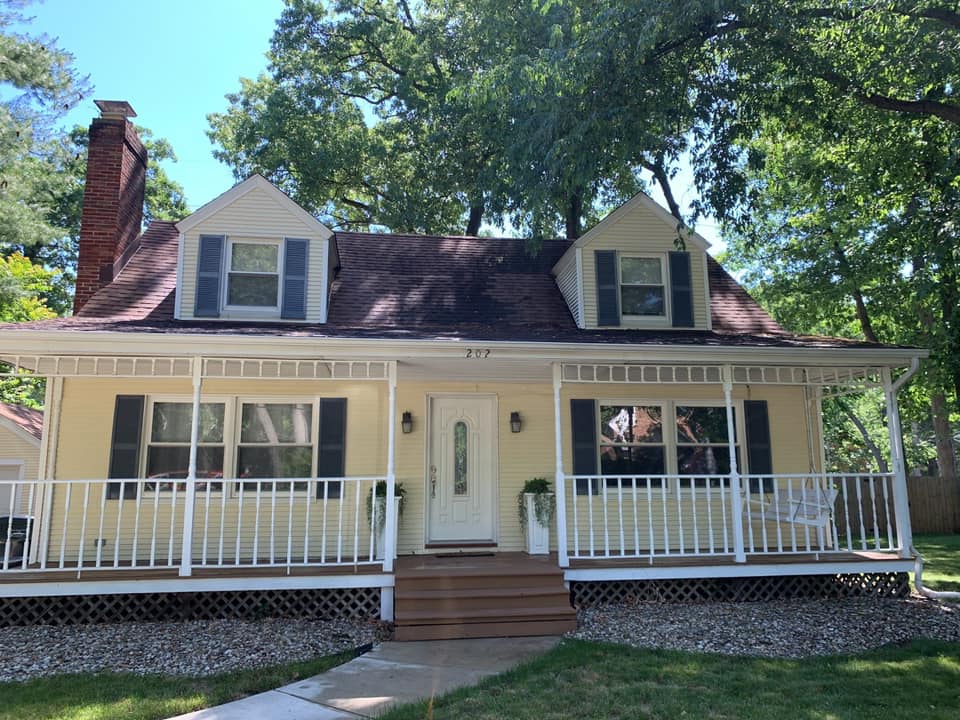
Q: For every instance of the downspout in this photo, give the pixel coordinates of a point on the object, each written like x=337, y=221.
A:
x=918, y=559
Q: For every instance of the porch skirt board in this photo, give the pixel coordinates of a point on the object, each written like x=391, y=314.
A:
x=746, y=589
x=321, y=604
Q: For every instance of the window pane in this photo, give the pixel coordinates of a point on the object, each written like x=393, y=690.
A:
x=632, y=461
x=252, y=290
x=173, y=463
x=704, y=460
x=641, y=300
x=171, y=422
x=702, y=424
x=250, y=257
x=275, y=423
x=460, y=458
x=631, y=424
x=640, y=271
x=274, y=462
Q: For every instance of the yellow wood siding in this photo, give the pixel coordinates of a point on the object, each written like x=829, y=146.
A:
x=641, y=231
x=569, y=287
x=14, y=448
x=256, y=215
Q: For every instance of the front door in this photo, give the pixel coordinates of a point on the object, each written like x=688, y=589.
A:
x=462, y=470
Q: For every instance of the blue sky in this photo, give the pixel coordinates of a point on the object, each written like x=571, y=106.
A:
x=174, y=61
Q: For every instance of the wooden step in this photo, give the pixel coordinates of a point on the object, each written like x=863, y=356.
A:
x=463, y=615
x=411, y=633
x=475, y=581
x=480, y=598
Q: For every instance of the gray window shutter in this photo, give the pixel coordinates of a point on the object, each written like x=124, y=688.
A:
x=333, y=445
x=583, y=433
x=681, y=289
x=608, y=294
x=209, y=271
x=125, y=445
x=759, y=451
x=294, y=280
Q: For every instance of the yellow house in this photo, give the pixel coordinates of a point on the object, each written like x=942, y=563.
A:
x=242, y=396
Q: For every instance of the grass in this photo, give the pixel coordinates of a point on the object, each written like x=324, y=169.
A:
x=592, y=680
x=941, y=560
x=117, y=696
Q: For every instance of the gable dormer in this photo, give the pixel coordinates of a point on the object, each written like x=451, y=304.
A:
x=253, y=254
x=626, y=272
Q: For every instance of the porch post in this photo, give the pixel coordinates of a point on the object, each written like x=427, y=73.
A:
x=40, y=533
x=901, y=501
x=736, y=494
x=562, y=559
x=389, y=544
x=186, y=547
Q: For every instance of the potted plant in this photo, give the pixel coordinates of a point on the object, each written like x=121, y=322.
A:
x=379, y=527
x=536, y=505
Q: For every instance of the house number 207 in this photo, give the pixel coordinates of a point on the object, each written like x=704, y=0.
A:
x=481, y=354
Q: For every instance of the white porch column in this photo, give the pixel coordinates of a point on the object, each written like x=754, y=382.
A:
x=736, y=493
x=186, y=547
x=390, y=533
x=901, y=502
x=40, y=533
x=562, y=559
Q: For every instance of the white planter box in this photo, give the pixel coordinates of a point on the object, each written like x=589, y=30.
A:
x=538, y=536
x=379, y=542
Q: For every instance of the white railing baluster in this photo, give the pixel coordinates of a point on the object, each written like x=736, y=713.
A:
x=8, y=540
x=651, y=549
x=623, y=545
x=873, y=507
x=63, y=529
x=343, y=494
x=356, y=523
x=323, y=534
x=696, y=520
x=606, y=522
x=885, y=483
x=257, y=500
x=173, y=522
x=206, y=523
x=153, y=531
x=636, y=519
x=724, y=490
x=863, y=526
x=793, y=526
x=103, y=508
x=576, y=522
x=273, y=518
x=710, y=544
x=136, y=524
x=312, y=488
x=241, y=486
x=25, y=559
x=846, y=512
x=116, y=539
x=682, y=543
x=666, y=520
x=223, y=521
x=590, y=513
x=83, y=528
x=290, y=526
x=373, y=517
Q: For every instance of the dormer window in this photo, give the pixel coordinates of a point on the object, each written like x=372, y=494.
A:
x=642, y=287
x=253, y=276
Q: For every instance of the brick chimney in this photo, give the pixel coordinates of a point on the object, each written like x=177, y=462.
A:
x=112, y=199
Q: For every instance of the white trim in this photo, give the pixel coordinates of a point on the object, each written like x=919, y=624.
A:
x=53, y=401
x=18, y=430
x=194, y=584
x=251, y=312
x=824, y=567
x=628, y=320
x=254, y=182
x=325, y=251
x=706, y=291
x=178, y=291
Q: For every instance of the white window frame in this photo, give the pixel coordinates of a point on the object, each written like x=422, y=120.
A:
x=228, y=432
x=669, y=424
x=628, y=320
x=253, y=310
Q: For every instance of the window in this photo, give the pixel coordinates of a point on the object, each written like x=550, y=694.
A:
x=276, y=441
x=460, y=458
x=168, y=446
x=703, y=443
x=253, y=278
x=642, y=291
x=631, y=441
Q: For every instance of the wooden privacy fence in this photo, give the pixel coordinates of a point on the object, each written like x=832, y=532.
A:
x=934, y=504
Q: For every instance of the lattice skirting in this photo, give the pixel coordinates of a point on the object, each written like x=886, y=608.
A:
x=355, y=603
x=747, y=589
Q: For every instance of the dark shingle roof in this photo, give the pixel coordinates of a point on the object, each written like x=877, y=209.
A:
x=425, y=287
x=27, y=418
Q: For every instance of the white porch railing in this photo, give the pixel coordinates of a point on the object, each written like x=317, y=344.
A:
x=659, y=516
x=139, y=524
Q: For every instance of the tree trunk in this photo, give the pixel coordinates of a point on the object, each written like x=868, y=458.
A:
x=946, y=459
x=476, y=217
x=871, y=446
x=574, y=213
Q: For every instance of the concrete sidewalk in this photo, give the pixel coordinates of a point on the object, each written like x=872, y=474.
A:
x=390, y=674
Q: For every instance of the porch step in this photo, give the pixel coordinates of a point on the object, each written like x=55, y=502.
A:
x=509, y=595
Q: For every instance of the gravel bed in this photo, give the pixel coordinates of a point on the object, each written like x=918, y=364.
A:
x=783, y=629
x=198, y=647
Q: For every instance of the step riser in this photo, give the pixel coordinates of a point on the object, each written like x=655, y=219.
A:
x=447, y=604
x=483, y=582
x=481, y=630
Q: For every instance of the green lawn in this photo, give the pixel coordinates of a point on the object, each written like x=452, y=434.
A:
x=114, y=696
x=591, y=680
x=941, y=560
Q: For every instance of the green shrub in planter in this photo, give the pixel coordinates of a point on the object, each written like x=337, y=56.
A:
x=544, y=504
x=381, y=492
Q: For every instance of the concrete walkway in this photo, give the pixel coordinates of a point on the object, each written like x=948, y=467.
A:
x=390, y=674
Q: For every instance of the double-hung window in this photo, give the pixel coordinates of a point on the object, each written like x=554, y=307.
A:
x=702, y=443
x=631, y=441
x=168, y=446
x=642, y=286
x=253, y=274
x=276, y=441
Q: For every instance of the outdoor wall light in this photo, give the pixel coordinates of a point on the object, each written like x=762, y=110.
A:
x=406, y=422
x=515, y=424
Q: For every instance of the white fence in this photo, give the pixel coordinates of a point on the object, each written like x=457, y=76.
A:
x=660, y=516
x=140, y=524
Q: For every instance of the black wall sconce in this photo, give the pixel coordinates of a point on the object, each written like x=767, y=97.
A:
x=515, y=423
x=406, y=422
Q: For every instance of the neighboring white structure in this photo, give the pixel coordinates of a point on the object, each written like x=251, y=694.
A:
x=20, y=431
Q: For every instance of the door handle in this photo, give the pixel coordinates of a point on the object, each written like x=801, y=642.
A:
x=433, y=481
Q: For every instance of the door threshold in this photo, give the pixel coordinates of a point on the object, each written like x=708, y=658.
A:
x=447, y=546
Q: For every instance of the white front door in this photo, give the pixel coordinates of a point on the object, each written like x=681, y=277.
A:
x=462, y=471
